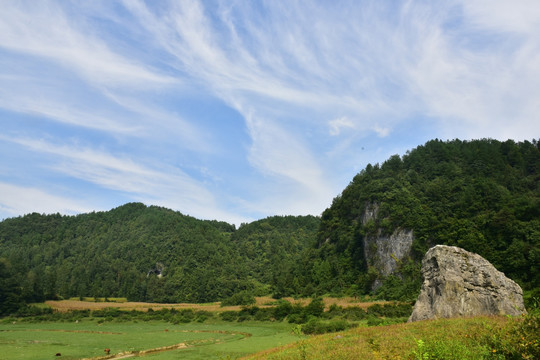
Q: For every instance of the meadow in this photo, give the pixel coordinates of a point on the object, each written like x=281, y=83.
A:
x=87, y=339
x=83, y=329
x=369, y=331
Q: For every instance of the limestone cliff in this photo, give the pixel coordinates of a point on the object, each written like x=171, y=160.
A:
x=385, y=252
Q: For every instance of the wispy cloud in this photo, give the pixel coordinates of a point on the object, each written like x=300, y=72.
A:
x=121, y=173
x=52, y=35
x=254, y=107
x=338, y=124
x=18, y=200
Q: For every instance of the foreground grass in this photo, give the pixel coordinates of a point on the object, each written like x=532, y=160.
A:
x=436, y=339
x=88, y=339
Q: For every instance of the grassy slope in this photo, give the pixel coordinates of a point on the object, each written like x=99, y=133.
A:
x=391, y=342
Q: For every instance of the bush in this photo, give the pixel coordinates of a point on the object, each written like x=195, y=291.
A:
x=264, y=314
x=354, y=313
x=315, y=307
x=297, y=318
x=229, y=315
x=107, y=312
x=317, y=326
x=32, y=310
x=282, y=310
x=393, y=310
x=240, y=298
x=448, y=350
x=519, y=339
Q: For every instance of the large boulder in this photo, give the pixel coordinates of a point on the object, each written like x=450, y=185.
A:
x=460, y=283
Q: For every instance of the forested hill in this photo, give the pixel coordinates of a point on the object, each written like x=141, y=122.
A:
x=483, y=196
x=147, y=254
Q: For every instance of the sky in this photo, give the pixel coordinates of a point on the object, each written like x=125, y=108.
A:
x=237, y=110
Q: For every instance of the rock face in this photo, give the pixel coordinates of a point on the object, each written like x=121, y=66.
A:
x=384, y=252
x=459, y=283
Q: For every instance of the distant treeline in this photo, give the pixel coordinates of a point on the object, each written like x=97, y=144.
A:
x=312, y=317
x=481, y=195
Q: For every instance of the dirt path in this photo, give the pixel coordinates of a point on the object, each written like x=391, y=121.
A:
x=138, y=353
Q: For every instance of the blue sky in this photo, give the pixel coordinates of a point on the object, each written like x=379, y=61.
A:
x=237, y=110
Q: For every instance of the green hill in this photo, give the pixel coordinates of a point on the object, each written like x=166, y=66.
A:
x=482, y=195
x=145, y=254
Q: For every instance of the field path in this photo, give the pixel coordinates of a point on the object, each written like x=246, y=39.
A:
x=137, y=353
x=129, y=354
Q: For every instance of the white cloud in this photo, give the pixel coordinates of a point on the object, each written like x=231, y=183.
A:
x=43, y=29
x=165, y=185
x=521, y=16
x=18, y=200
x=482, y=83
x=455, y=69
x=277, y=152
x=338, y=124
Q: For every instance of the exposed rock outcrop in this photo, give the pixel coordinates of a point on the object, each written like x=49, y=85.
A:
x=385, y=252
x=460, y=283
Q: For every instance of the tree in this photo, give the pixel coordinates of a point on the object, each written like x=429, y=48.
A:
x=10, y=292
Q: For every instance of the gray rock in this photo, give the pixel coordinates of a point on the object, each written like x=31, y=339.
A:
x=384, y=252
x=459, y=283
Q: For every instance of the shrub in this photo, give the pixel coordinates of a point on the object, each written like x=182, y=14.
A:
x=393, y=310
x=448, y=350
x=32, y=310
x=240, y=298
x=297, y=318
x=264, y=314
x=317, y=326
x=519, y=339
x=354, y=313
x=282, y=310
x=229, y=315
x=315, y=307
x=107, y=312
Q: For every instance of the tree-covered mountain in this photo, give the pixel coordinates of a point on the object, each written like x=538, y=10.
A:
x=482, y=195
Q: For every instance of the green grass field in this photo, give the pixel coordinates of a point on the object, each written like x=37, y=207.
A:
x=88, y=339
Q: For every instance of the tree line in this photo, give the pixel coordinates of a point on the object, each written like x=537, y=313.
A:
x=481, y=195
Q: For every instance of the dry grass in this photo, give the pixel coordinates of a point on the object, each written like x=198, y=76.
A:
x=328, y=301
x=69, y=305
